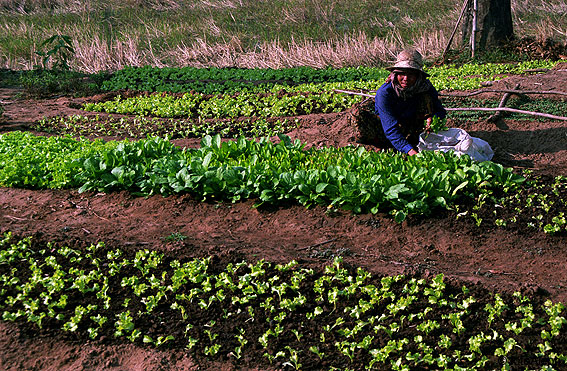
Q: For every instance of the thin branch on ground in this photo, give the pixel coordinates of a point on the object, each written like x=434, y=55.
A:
x=531, y=113
x=511, y=91
x=503, y=101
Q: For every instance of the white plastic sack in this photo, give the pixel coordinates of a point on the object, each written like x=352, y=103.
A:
x=456, y=140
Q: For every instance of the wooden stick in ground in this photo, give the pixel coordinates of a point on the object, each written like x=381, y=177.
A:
x=474, y=28
x=455, y=30
x=505, y=97
x=518, y=92
x=355, y=93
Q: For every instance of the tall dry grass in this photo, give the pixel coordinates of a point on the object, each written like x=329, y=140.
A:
x=108, y=35
x=74, y=6
x=541, y=19
x=352, y=50
x=35, y=6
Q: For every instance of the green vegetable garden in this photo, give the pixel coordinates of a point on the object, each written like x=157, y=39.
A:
x=342, y=316
x=256, y=313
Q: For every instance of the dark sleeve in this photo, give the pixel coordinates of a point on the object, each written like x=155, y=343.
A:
x=384, y=106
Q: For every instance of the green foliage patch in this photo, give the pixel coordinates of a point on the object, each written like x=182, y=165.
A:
x=44, y=83
x=58, y=53
x=301, y=79
x=349, y=178
x=198, y=105
x=231, y=93
x=539, y=204
x=229, y=80
x=346, y=317
x=36, y=162
x=142, y=127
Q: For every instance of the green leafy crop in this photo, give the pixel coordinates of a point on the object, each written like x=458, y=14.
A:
x=342, y=315
x=232, y=80
x=350, y=178
x=30, y=161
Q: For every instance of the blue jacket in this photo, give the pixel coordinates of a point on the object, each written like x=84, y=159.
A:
x=393, y=110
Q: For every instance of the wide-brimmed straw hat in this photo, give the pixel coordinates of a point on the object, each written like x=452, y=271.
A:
x=409, y=59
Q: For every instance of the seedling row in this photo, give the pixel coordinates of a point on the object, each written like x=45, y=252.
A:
x=348, y=318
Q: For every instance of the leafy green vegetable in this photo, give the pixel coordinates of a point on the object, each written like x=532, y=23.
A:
x=357, y=317
x=349, y=178
x=30, y=161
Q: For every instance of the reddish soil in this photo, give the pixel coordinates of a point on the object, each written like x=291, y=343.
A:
x=490, y=257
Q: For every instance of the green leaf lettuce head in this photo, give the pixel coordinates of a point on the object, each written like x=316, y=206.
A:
x=30, y=161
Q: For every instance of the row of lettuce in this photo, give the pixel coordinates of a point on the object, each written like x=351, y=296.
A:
x=283, y=314
x=200, y=106
x=348, y=178
x=284, y=172
x=195, y=116
x=213, y=93
x=142, y=126
x=231, y=80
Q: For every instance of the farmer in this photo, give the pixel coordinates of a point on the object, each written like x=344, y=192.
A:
x=406, y=103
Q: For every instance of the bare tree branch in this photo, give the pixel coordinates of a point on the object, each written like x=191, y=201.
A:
x=531, y=113
x=511, y=91
x=505, y=97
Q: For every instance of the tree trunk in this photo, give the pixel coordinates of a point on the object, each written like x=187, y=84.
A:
x=493, y=23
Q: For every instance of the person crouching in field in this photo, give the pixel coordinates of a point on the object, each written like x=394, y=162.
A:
x=405, y=104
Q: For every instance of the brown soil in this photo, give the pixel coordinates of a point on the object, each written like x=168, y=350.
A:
x=493, y=258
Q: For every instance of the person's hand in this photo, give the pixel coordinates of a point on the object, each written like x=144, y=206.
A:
x=412, y=152
x=428, y=123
